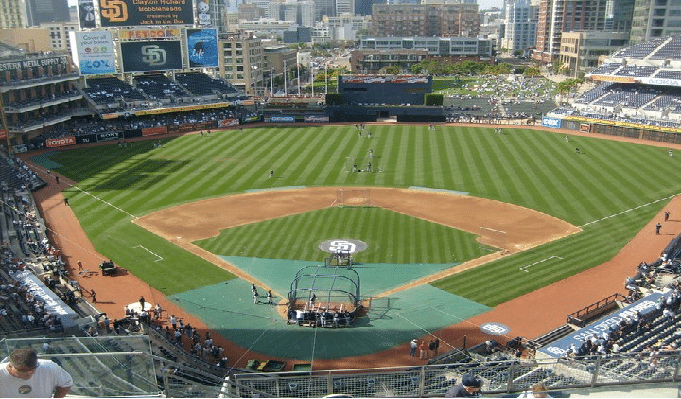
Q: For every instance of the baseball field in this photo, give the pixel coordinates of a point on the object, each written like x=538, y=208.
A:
x=163, y=212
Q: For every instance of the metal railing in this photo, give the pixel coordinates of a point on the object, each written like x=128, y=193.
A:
x=500, y=376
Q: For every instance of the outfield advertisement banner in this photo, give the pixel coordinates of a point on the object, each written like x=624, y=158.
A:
x=114, y=13
x=660, y=82
x=202, y=47
x=109, y=136
x=551, y=122
x=616, y=79
x=152, y=55
x=228, y=123
x=86, y=139
x=282, y=119
x=192, y=127
x=316, y=119
x=60, y=142
x=152, y=131
x=93, y=52
x=186, y=108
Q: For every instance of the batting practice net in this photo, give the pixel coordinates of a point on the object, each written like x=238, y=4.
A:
x=353, y=197
x=324, y=287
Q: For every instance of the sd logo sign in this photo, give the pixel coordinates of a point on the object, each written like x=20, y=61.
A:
x=114, y=10
x=343, y=245
x=153, y=55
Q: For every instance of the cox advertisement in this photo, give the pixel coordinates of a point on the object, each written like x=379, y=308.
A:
x=94, y=52
x=153, y=55
x=146, y=12
x=202, y=47
x=551, y=122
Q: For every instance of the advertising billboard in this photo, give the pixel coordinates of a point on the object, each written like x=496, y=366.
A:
x=153, y=55
x=551, y=122
x=93, y=52
x=202, y=47
x=86, y=14
x=203, y=12
x=26, y=65
x=128, y=34
x=146, y=12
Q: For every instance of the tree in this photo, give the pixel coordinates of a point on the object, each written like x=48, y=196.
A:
x=532, y=71
x=392, y=70
x=434, y=99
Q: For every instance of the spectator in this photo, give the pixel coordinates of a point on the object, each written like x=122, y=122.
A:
x=27, y=376
x=468, y=388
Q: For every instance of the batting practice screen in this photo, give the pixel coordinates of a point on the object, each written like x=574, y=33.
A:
x=155, y=55
x=147, y=12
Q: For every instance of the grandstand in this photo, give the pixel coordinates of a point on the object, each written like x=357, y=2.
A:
x=639, y=85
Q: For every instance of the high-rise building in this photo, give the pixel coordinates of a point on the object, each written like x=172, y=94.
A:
x=654, y=19
x=324, y=7
x=44, y=11
x=520, y=25
x=345, y=7
x=363, y=7
x=452, y=19
x=241, y=61
x=59, y=34
x=12, y=14
x=558, y=16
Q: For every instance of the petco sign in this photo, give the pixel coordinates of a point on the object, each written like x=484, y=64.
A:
x=551, y=122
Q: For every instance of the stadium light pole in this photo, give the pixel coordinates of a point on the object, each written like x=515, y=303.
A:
x=326, y=78
x=285, y=80
x=298, y=68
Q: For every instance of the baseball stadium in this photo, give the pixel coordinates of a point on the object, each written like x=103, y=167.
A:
x=291, y=253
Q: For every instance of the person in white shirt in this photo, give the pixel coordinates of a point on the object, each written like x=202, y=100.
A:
x=26, y=376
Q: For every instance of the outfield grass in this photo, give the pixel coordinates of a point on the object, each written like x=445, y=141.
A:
x=538, y=170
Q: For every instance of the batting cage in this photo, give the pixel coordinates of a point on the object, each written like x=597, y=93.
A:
x=317, y=288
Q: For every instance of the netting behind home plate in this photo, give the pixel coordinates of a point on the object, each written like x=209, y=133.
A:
x=332, y=286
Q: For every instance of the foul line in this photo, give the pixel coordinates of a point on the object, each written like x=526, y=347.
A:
x=629, y=210
x=146, y=249
x=108, y=203
x=524, y=268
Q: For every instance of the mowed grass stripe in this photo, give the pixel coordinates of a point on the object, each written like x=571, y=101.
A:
x=562, y=183
x=486, y=284
x=549, y=178
x=562, y=194
x=287, y=237
x=321, y=165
